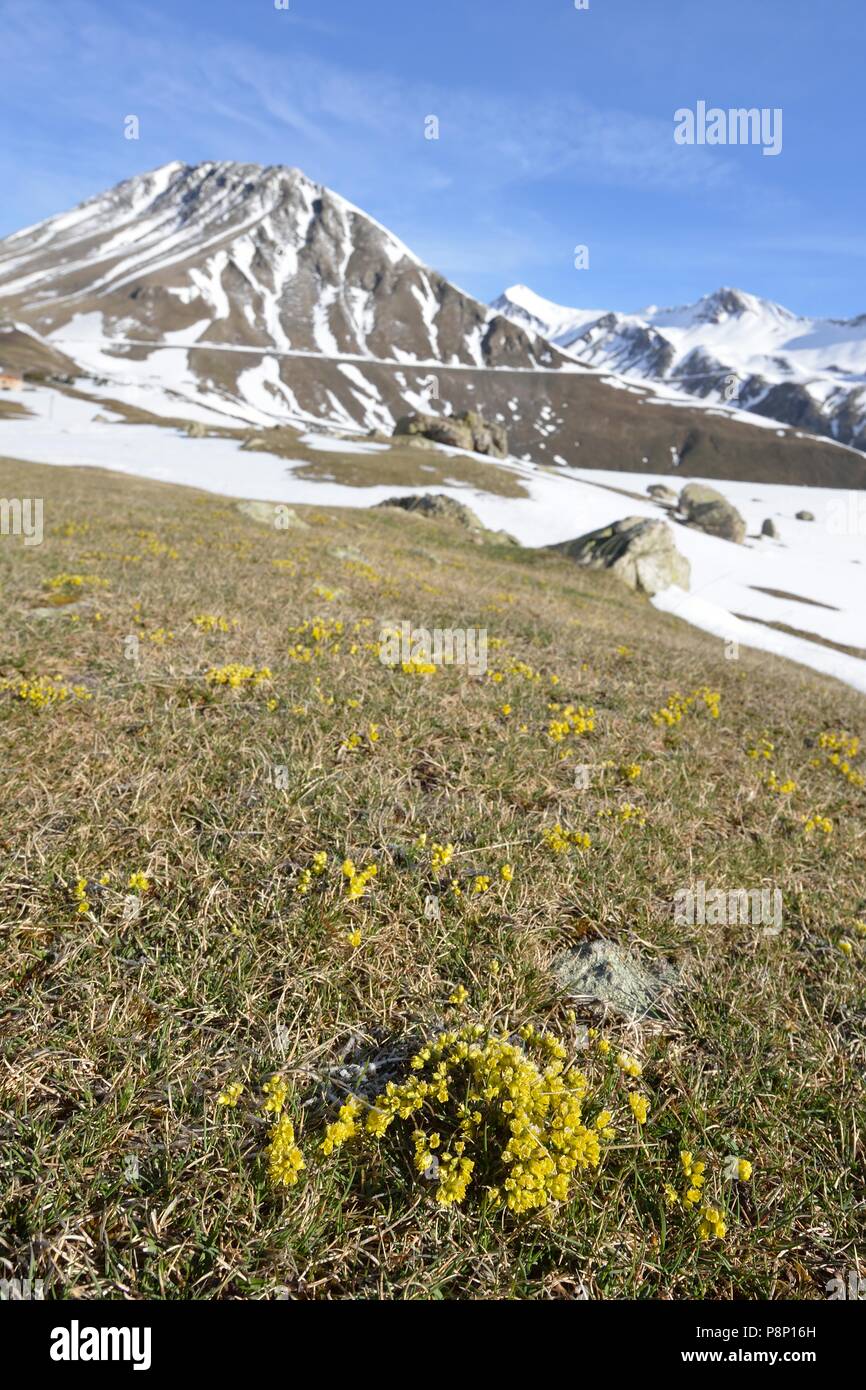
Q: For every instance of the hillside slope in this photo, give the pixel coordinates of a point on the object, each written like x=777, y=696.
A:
x=200, y=712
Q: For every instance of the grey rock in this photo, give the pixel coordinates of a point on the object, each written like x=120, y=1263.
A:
x=768, y=528
x=639, y=550
x=196, y=430
x=439, y=505
x=274, y=514
x=605, y=972
x=660, y=493
x=706, y=509
x=468, y=431
x=805, y=516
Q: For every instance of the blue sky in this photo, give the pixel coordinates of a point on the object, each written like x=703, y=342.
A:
x=555, y=129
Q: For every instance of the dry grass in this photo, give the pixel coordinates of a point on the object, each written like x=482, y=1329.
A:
x=120, y=1175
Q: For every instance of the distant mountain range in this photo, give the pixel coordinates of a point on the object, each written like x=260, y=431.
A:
x=265, y=298
x=730, y=348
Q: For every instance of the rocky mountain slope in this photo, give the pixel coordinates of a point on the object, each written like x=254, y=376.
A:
x=261, y=297
x=729, y=347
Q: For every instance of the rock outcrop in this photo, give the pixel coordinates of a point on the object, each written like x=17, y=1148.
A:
x=659, y=493
x=709, y=511
x=639, y=550
x=440, y=505
x=467, y=431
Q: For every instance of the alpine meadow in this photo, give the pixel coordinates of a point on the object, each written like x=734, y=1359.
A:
x=433, y=848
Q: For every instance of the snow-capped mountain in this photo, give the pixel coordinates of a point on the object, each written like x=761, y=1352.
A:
x=254, y=295
x=729, y=347
x=240, y=255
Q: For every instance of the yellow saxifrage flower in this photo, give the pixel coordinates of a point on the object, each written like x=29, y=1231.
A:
x=138, y=882
x=639, y=1106
x=285, y=1159
x=231, y=1095
x=678, y=705
x=41, y=692
x=560, y=840
x=507, y=1115
x=440, y=856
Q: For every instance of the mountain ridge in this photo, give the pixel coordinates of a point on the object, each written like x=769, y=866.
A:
x=729, y=347
x=257, y=293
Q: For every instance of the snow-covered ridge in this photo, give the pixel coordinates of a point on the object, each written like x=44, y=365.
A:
x=729, y=347
x=261, y=256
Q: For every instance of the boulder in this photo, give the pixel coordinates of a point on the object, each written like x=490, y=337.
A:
x=639, y=550
x=438, y=505
x=660, y=493
x=608, y=974
x=468, y=431
x=805, y=516
x=196, y=430
x=275, y=514
x=709, y=511
x=768, y=528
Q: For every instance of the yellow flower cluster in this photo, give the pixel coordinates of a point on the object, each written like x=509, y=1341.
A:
x=285, y=1159
x=160, y=636
x=509, y=1114
x=154, y=546
x=812, y=823
x=231, y=1095
x=357, y=879
x=639, y=1106
x=79, y=892
x=781, y=788
x=236, y=676
x=306, y=876
x=560, y=840
x=693, y=1169
x=763, y=748
x=85, y=889
x=711, y=1223
x=212, y=622
x=678, y=705
x=418, y=668
x=838, y=750
x=320, y=637
x=70, y=584
x=518, y=668
x=570, y=720
x=355, y=740
x=628, y=1064
x=625, y=814
x=440, y=856
x=43, y=691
